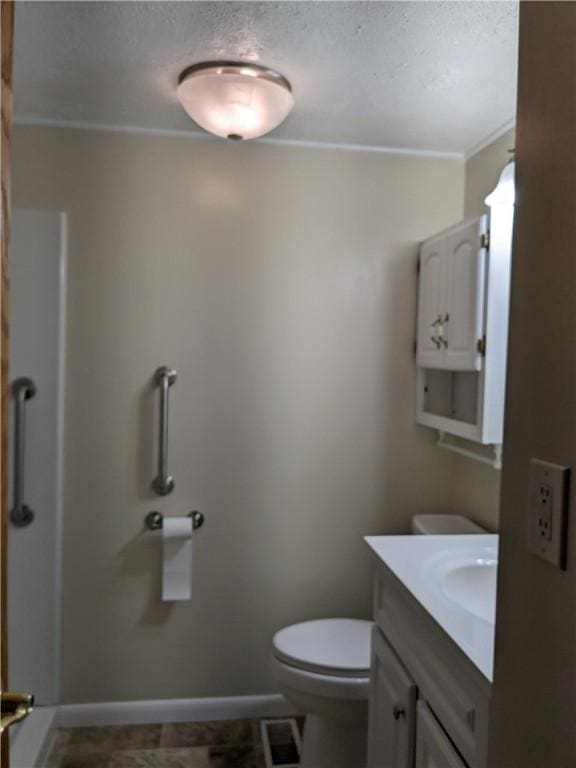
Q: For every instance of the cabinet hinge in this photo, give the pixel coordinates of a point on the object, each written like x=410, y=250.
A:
x=481, y=346
x=485, y=240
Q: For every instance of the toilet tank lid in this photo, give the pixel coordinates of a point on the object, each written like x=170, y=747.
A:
x=444, y=524
x=329, y=646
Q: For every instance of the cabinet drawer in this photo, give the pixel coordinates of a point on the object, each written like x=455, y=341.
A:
x=456, y=690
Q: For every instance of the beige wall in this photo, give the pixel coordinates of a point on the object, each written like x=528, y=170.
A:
x=280, y=282
x=476, y=487
x=534, y=698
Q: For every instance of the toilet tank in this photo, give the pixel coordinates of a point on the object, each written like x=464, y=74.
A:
x=444, y=524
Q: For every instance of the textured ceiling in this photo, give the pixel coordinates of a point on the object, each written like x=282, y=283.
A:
x=416, y=75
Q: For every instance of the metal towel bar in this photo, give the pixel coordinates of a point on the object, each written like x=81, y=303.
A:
x=163, y=483
x=493, y=461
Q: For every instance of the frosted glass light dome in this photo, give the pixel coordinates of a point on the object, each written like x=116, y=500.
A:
x=234, y=100
x=504, y=192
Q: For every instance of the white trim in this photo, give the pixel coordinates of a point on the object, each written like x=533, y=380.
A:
x=168, y=132
x=63, y=280
x=174, y=710
x=490, y=139
x=29, y=739
x=79, y=125
x=381, y=149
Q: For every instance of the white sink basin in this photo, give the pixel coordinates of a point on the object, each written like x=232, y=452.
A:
x=473, y=587
x=465, y=576
x=454, y=579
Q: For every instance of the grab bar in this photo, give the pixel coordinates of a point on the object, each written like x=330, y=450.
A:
x=22, y=389
x=163, y=484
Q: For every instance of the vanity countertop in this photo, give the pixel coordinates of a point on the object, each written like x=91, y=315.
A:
x=454, y=579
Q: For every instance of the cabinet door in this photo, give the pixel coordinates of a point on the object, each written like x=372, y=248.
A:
x=433, y=748
x=392, y=709
x=429, y=349
x=465, y=285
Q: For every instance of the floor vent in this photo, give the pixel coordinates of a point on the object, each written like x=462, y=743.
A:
x=281, y=741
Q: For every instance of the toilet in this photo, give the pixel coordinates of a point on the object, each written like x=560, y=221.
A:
x=323, y=668
x=444, y=525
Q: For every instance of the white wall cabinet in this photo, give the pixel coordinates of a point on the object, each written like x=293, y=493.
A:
x=430, y=350
x=451, y=298
x=462, y=328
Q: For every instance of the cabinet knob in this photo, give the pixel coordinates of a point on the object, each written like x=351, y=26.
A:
x=398, y=712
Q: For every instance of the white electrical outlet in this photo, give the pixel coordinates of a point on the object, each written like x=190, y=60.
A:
x=548, y=511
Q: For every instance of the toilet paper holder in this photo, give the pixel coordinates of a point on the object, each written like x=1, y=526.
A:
x=154, y=521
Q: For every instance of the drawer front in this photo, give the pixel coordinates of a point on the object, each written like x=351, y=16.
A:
x=445, y=678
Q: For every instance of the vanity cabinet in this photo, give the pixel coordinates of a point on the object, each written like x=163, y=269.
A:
x=433, y=748
x=392, y=708
x=429, y=704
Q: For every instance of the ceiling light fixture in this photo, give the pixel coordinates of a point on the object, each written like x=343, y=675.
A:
x=235, y=100
x=505, y=190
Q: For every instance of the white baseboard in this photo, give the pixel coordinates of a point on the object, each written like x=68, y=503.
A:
x=28, y=739
x=174, y=710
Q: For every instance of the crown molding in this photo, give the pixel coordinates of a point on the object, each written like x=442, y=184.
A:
x=323, y=145
x=490, y=139
x=166, y=132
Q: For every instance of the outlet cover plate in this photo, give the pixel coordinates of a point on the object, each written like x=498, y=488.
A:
x=548, y=511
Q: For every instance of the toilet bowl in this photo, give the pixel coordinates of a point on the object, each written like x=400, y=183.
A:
x=323, y=668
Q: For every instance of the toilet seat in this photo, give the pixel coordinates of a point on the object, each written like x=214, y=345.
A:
x=334, y=687
x=337, y=648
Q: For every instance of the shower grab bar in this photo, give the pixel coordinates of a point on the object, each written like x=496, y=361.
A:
x=22, y=389
x=163, y=483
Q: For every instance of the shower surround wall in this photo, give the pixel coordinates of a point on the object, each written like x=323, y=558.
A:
x=280, y=283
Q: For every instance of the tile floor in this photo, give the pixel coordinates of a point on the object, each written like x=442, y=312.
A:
x=222, y=744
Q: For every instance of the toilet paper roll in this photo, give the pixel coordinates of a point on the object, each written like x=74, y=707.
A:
x=177, y=558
